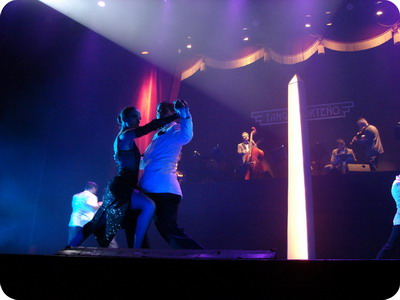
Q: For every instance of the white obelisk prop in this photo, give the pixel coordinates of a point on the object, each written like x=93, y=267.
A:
x=300, y=231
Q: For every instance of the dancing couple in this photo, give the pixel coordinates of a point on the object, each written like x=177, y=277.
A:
x=128, y=206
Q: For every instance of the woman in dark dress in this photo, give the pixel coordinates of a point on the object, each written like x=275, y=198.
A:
x=122, y=198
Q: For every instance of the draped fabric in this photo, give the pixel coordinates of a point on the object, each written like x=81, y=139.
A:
x=155, y=86
x=269, y=54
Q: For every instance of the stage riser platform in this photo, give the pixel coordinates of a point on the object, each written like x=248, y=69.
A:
x=96, y=277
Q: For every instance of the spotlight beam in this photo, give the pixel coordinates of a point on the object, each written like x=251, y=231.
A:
x=129, y=24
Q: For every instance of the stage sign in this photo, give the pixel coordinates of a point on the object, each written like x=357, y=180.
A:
x=314, y=112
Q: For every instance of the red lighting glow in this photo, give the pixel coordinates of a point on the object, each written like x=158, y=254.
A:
x=146, y=102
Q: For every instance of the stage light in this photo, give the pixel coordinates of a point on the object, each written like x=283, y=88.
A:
x=307, y=25
x=329, y=24
x=144, y=52
x=189, y=46
x=379, y=13
x=3, y=3
x=300, y=242
x=101, y=3
x=246, y=38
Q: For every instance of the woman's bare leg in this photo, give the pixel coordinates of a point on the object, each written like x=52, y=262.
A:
x=147, y=207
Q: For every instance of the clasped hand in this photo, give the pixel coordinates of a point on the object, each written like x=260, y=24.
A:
x=182, y=109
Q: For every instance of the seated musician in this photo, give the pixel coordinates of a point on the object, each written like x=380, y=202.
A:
x=340, y=157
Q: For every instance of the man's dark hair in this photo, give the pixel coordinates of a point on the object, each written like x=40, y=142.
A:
x=166, y=106
x=91, y=184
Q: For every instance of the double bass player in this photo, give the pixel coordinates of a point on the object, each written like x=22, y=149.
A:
x=252, y=157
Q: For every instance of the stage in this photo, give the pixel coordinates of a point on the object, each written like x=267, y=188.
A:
x=85, y=275
x=92, y=273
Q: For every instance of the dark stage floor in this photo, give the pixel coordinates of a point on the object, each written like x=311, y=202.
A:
x=93, y=273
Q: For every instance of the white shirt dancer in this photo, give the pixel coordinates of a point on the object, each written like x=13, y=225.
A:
x=391, y=250
x=84, y=206
x=161, y=157
x=396, y=197
x=159, y=180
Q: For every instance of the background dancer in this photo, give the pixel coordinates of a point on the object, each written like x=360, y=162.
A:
x=84, y=206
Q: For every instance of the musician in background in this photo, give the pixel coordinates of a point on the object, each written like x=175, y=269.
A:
x=340, y=157
x=244, y=147
x=253, y=164
x=368, y=143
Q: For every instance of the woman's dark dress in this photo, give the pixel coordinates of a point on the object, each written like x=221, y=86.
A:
x=115, y=212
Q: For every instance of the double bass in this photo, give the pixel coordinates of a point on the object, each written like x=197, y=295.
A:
x=253, y=160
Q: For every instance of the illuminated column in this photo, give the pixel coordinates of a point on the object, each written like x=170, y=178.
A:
x=3, y=3
x=300, y=231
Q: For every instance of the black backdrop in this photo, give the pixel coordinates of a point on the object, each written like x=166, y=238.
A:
x=62, y=86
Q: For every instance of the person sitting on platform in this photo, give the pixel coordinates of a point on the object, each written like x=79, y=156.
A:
x=391, y=250
x=340, y=157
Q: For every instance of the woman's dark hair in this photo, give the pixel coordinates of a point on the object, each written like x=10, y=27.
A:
x=124, y=114
x=340, y=141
